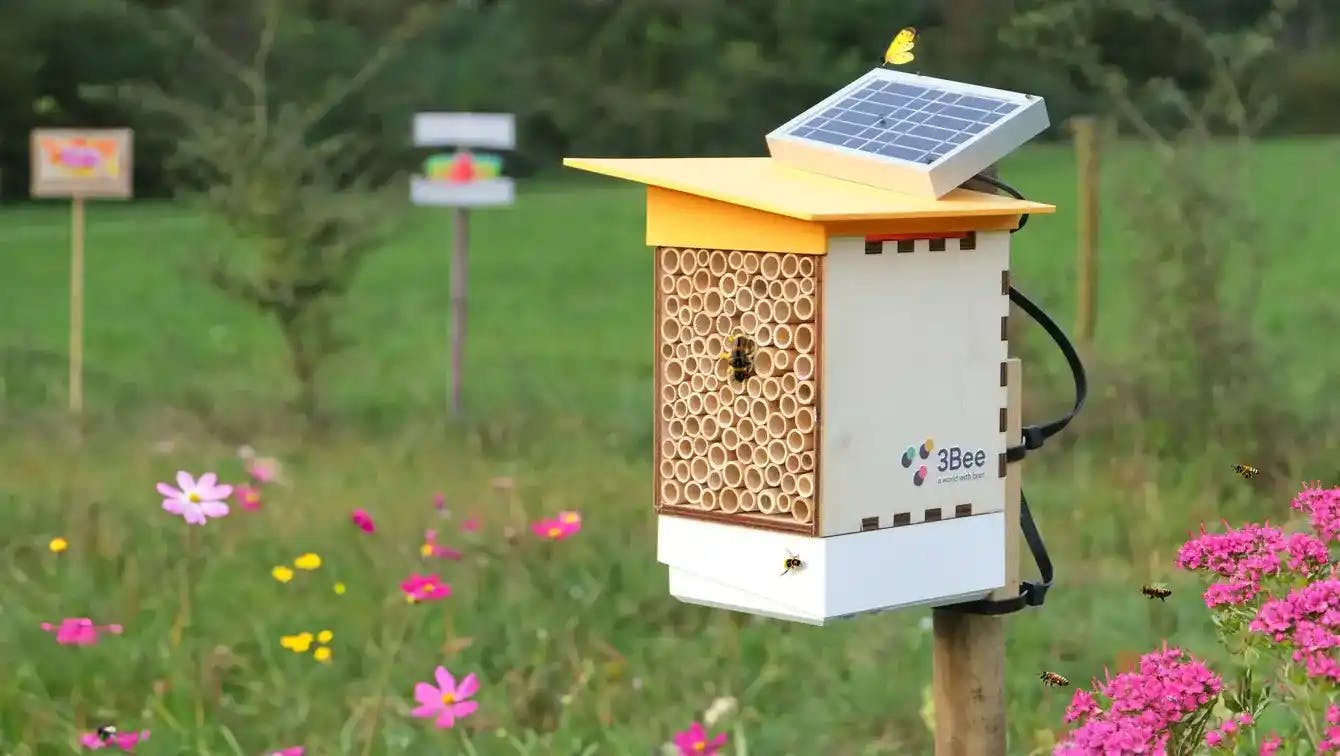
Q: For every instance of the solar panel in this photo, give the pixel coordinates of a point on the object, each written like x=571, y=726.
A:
x=940, y=132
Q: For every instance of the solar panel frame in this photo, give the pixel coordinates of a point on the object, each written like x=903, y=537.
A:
x=928, y=135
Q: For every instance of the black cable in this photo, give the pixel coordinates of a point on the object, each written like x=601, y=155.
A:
x=1004, y=187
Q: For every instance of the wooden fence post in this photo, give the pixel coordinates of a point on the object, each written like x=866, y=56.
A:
x=968, y=686
x=1085, y=132
x=76, y=386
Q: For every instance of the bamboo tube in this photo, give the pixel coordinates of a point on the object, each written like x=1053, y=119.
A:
x=730, y=438
x=668, y=466
x=772, y=475
x=805, y=266
x=702, y=324
x=782, y=336
x=682, y=470
x=717, y=456
x=670, y=305
x=771, y=265
x=727, y=287
x=716, y=263
x=748, y=502
x=801, y=510
x=688, y=261
x=802, y=309
x=698, y=345
x=735, y=259
x=753, y=478
x=807, y=286
x=760, y=456
x=683, y=390
x=694, y=403
x=751, y=262
x=744, y=299
x=670, y=330
x=722, y=322
x=681, y=350
x=669, y=258
x=714, y=481
x=708, y=428
x=726, y=380
x=693, y=493
x=732, y=474
x=667, y=411
x=763, y=311
x=696, y=385
x=673, y=371
x=741, y=277
x=700, y=445
x=667, y=285
x=763, y=334
x=805, y=485
x=805, y=419
x=782, y=361
x=698, y=469
x=713, y=344
x=790, y=266
x=691, y=426
x=762, y=365
x=702, y=280
x=744, y=453
x=724, y=416
x=683, y=287
x=789, y=383
x=777, y=425
x=754, y=386
x=759, y=409
x=760, y=288
x=788, y=406
x=671, y=493
x=711, y=403
x=804, y=367
x=668, y=348
x=741, y=409
x=685, y=319
x=726, y=391
x=706, y=364
x=791, y=290
x=744, y=426
x=685, y=448
x=767, y=501
x=781, y=311
x=748, y=322
x=729, y=308
x=785, y=502
x=703, y=256
x=798, y=442
x=793, y=463
x=802, y=338
x=772, y=388
x=728, y=501
x=667, y=394
x=777, y=452
x=712, y=302
x=708, y=502
x=761, y=436
x=710, y=382
x=695, y=301
x=775, y=290
x=807, y=461
x=680, y=408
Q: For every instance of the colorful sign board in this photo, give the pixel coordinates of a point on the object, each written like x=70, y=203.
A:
x=81, y=163
x=463, y=178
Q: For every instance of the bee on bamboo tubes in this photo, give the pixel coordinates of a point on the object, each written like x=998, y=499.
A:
x=741, y=357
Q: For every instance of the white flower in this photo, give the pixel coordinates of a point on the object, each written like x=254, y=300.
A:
x=197, y=500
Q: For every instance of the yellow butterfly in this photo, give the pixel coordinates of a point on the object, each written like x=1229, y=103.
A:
x=900, y=49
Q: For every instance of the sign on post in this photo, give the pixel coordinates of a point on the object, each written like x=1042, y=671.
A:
x=462, y=180
x=79, y=163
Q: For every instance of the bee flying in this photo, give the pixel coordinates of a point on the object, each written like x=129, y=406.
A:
x=1246, y=471
x=1157, y=591
x=106, y=732
x=740, y=357
x=792, y=562
x=1051, y=678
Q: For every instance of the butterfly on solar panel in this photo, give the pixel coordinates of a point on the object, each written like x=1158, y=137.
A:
x=1246, y=471
x=900, y=49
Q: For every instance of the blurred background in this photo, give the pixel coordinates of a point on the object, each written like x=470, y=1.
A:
x=270, y=285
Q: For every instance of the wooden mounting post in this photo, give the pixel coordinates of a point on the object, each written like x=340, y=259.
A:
x=1086, y=262
x=460, y=245
x=76, y=379
x=968, y=688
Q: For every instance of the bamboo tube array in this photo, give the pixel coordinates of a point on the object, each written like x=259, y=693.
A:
x=738, y=449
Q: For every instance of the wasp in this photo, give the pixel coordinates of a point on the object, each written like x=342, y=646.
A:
x=1156, y=591
x=1246, y=471
x=741, y=357
x=792, y=562
x=106, y=732
x=1051, y=678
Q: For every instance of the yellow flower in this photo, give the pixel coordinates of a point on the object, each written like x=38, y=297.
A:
x=58, y=545
x=298, y=644
x=325, y=636
x=307, y=561
x=426, y=550
x=322, y=654
x=282, y=573
x=339, y=589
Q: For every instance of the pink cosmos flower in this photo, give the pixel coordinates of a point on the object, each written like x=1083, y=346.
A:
x=196, y=500
x=418, y=588
x=248, y=497
x=1270, y=745
x=446, y=701
x=290, y=751
x=439, y=501
x=126, y=741
x=264, y=470
x=470, y=524
x=558, y=528
x=363, y=520
x=79, y=631
x=431, y=548
x=694, y=741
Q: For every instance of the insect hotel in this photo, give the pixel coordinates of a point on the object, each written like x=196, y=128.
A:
x=830, y=350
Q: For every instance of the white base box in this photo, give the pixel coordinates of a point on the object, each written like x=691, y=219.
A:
x=741, y=568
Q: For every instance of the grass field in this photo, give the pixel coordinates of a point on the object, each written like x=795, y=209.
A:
x=578, y=647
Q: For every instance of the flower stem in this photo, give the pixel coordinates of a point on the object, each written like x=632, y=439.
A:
x=385, y=679
x=187, y=585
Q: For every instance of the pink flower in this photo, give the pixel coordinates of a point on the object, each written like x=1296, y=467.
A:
x=558, y=528
x=694, y=742
x=1081, y=705
x=439, y=501
x=431, y=548
x=363, y=520
x=290, y=751
x=79, y=631
x=418, y=588
x=447, y=701
x=197, y=500
x=264, y=470
x=248, y=497
x=1322, y=506
x=1270, y=745
x=1246, y=555
x=1213, y=738
x=470, y=524
x=570, y=518
x=126, y=741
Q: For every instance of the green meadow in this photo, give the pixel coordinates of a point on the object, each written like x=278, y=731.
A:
x=578, y=646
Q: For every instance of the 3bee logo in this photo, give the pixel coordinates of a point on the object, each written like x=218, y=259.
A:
x=912, y=454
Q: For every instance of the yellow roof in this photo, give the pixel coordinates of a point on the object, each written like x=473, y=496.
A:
x=764, y=184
